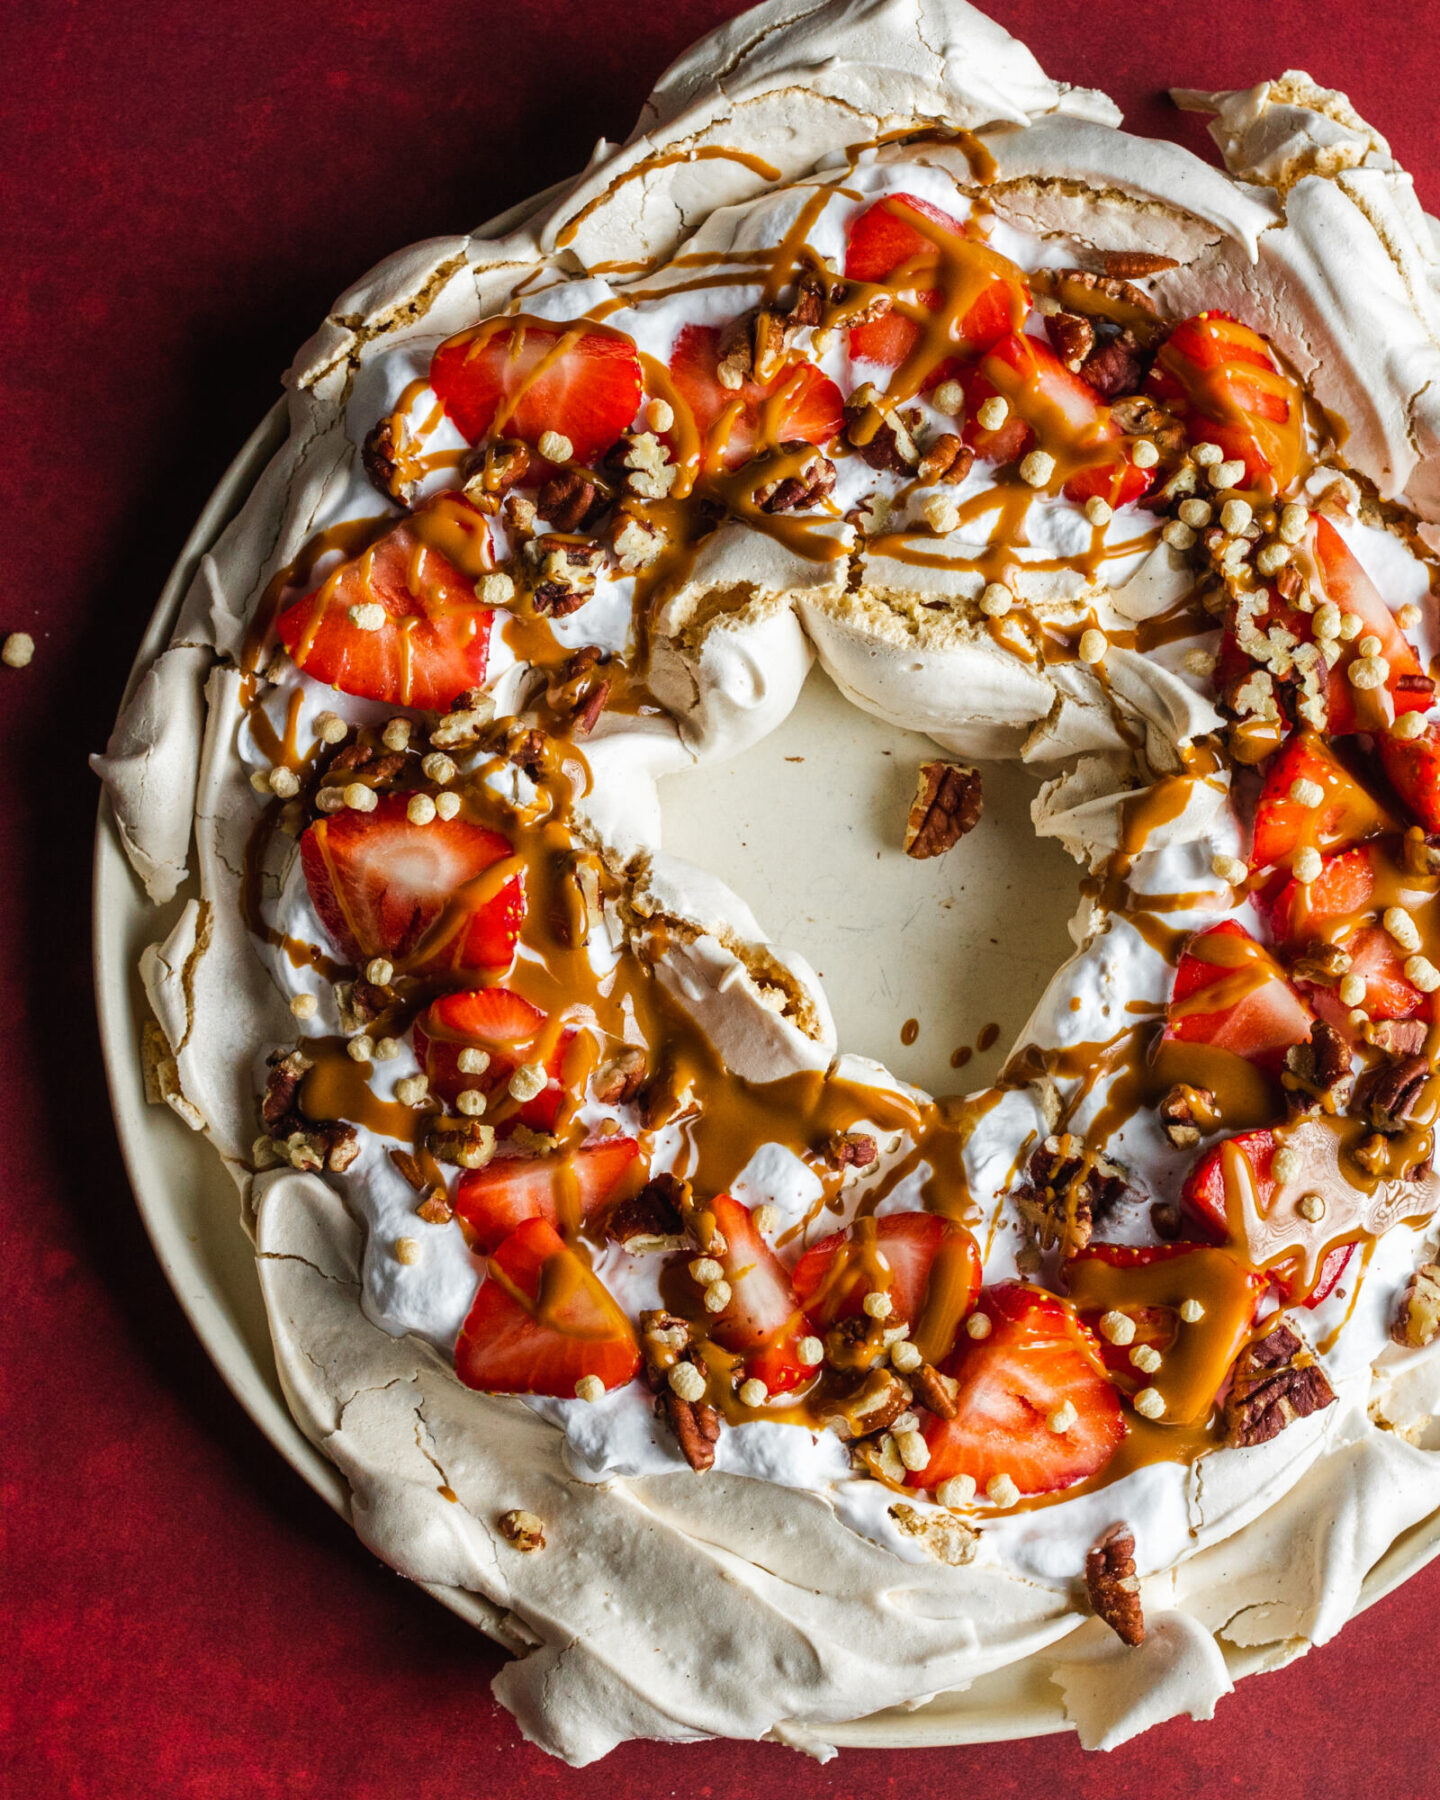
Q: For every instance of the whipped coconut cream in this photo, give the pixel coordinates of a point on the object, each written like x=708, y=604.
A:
x=799, y=1563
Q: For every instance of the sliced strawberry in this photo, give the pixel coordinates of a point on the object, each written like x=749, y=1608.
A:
x=542, y=1320
x=561, y=1189
x=1408, y=688
x=1037, y=1357
x=1050, y=404
x=523, y=377
x=1413, y=766
x=1206, y=1193
x=763, y=1320
x=1375, y=958
x=1346, y=815
x=800, y=403
x=434, y=641
x=1223, y=378
x=1298, y=912
x=932, y=1277
x=502, y=1024
x=890, y=240
x=1231, y=994
x=414, y=894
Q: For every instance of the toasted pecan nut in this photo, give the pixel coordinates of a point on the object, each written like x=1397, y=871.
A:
x=1417, y=1318
x=1167, y=1220
x=1186, y=1113
x=804, y=489
x=288, y=1069
x=410, y=1169
x=552, y=601
x=1319, y=1071
x=653, y=1219
x=1397, y=1037
x=1324, y=964
x=1113, y=1585
x=1393, y=1095
x=493, y=468
x=435, y=1208
x=379, y=457
x=937, y=1392
x=1274, y=1381
x=947, y=459
x=665, y=1340
x=1131, y=265
x=1114, y=368
x=696, y=1425
x=1072, y=336
x=469, y=1143
x=523, y=1529
x=948, y=803
x=883, y=440
x=620, y=1078
x=875, y=1403
x=570, y=499
x=851, y=1150
x=1068, y=1188
x=808, y=306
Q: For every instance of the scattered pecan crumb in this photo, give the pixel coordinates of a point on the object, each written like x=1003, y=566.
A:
x=1114, y=1586
x=936, y=1391
x=665, y=1341
x=851, y=1150
x=803, y=490
x=1072, y=336
x=1275, y=1381
x=492, y=468
x=1130, y=265
x=1393, y=1095
x=1186, y=1112
x=653, y=1219
x=1321, y=963
x=1068, y=1187
x=523, y=1529
x=948, y=803
x=947, y=459
x=570, y=499
x=1417, y=1318
x=620, y=1077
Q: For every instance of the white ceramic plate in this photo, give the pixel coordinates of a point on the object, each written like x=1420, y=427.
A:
x=805, y=826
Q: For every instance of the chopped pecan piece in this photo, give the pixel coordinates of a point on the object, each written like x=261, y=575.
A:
x=288, y=1069
x=319, y=1146
x=936, y=1391
x=851, y=1150
x=1167, y=1220
x=643, y=458
x=1069, y=1187
x=1274, y=1382
x=873, y=1405
x=523, y=1529
x=1115, y=367
x=853, y=1343
x=379, y=767
x=1392, y=1095
x=469, y=1143
x=570, y=499
x=470, y=716
x=409, y=1168
x=1072, y=336
x=1322, y=963
x=665, y=1341
x=947, y=459
x=1422, y=853
x=808, y=306
x=653, y=1219
x=1417, y=1319
x=379, y=458
x=492, y=468
x=1107, y=297
x=948, y=803
x=1397, y=1037
x=1319, y=1071
x=1186, y=1112
x=883, y=440
x=435, y=1208
x=620, y=1077
x=1113, y=1585
x=803, y=490
x=1131, y=265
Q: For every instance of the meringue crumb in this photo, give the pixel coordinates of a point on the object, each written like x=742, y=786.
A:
x=1327, y=619
x=959, y=1490
x=1369, y=672
x=386, y=1049
x=993, y=412
x=978, y=1326
x=412, y=1090
x=473, y=1062
x=1150, y=1403
x=1098, y=511
x=659, y=415
x=1208, y=455
x=1409, y=725
x=1191, y=1311
x=555, y=447
x=942, y=515
x=717, y=1296
x=368, y=616
x=1037, y=468
x=1001, y=1490
x=1227, y=474
x=1062, y=1419
x=283, y=782
x=1307, y=866
x=877, y=1305
x=1284, y=1165
x=471, y=1102
x=420, y=809
x=447, y=805
x=996, y=600
x=1144, y=455
x=396, y=735
x=1178, y=535
x=811, y=1351
x=304, y=1006
x=1271, y=558
x=753, y=1392
x=1401, y=927
x=1423, y=973
x=705, y=1269
x=438, y=767
x=527, y=1083
x=913, y=1450
x=359, y=798
x=1117, y=1328
x=379, y=971
x=1311, y=1207
x=905, y=1357
x=1235, y=516
x=1306, y=793
x=1293, y=521
x=1369, y=645
x=407, y=1251
x=590, y=1388
x=1351, y=626
x=495, y=590
x=1229, y=868
x=1146, y=1358
x=1353, y=989
x=686, y=1382
x=1195, y=513
x=18, y=650
x=1409, y=616
x=361, y=1049
x=949, y=397
x=767, y=1219
x=330, y=728
x=1093, y=645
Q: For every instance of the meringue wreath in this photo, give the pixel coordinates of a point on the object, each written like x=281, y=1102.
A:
x=752, y=1389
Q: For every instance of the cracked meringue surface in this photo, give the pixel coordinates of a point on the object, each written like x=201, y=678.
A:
x=831, y=1596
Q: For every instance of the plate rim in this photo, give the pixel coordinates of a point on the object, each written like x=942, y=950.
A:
x=259, y=1389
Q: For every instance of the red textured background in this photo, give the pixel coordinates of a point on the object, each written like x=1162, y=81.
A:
x=183, y=188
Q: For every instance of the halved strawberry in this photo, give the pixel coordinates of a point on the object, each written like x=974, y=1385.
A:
x=562, y=1189
x=415, y=894
x=1346, y=815
x=523, y=377
x=1413, y=766
x=1050, y=404
x=932, y=1277
x=1298, y=912
x=1408, y=688
x=1231, y=994
x=541, y=1320
x=1037, y=1357
x=763, y=1320
x=913, y=246
x=1375, y=958
x=502, y=1024
x=434, y=640
x=798, y=403
x=1223, y=378
x=1206, y=1192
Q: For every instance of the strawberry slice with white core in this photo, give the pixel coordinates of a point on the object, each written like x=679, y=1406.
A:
x=762, y=1321
x=1223, y=378
x=1406, y=688
x=797, y=404
x=521, y=378
x=1207, y=1192
x=1051, y=407
x=918, y=250
x=542, y=1321
x=564, y=1190
x=510, y=1031
x=928, y=1266
x=1038, y=1362
x=400, y=622
x=1232, y=995
x=1413, y=767
x=421, y=895
x=1288, y=815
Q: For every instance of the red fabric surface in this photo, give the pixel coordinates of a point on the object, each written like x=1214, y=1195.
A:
x=183, y=189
